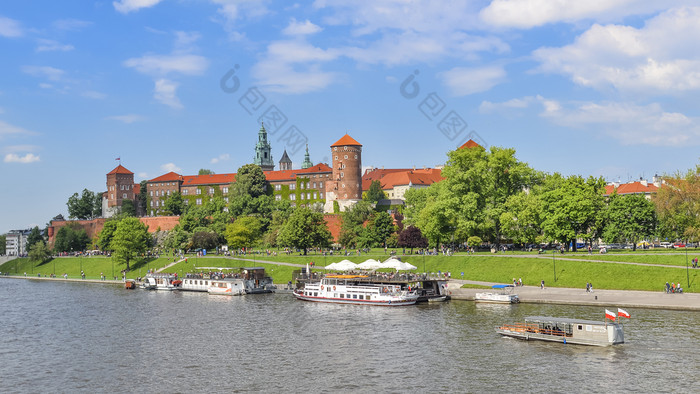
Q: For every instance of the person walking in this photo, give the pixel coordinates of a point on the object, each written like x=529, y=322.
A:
x=542, y=284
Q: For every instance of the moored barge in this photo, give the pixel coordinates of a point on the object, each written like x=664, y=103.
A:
x=563, y=330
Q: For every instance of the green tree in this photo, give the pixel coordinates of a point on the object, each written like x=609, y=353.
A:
x=130, y=240
x=104, y=241
x=629, y=218
x=177, y=238
x=305, y=229
x=250, y=180
x=379, y=227
x=437, y=218
x=572, y=208
x=352, y=221
x=205, y=240
x=244, y=232
x=71, y=238
x=678, y=205
x=281, y=211
x=3, y=244
x=521, y=221
x=39, y=252
x=97, y=205
x=204, y=171
x=142, y=199
x=474, y=241
x=174, y=204
x=82, y=206
x=34, y=237
x=411, y=237
x=194, y=217
x=128, y=209
x=375, y=192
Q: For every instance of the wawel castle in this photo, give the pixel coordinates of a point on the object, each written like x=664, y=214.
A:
x=334, y=187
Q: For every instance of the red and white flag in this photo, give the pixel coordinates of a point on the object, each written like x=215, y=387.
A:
x=622, y=313
x=118, y=158
x=609, y=315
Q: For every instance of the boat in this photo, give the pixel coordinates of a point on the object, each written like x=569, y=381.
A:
x=247, y=280
x=438, y=299
x=564, y=330
x=130, y=284
x=227, y=286
x=353, y=289
x=160, y=282
x=505, y=296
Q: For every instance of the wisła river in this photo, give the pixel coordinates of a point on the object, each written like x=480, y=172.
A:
x=72, y=337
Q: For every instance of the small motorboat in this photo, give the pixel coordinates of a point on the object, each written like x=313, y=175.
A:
x=438, y=299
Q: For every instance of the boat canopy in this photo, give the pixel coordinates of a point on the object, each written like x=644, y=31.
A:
x=501, y=286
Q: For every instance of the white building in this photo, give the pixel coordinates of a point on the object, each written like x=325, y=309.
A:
x=16, y=242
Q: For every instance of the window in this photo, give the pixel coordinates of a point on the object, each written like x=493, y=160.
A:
x=292, y=197
x=314, y=185
x=293, y=186
x=321, y=195
x=187, y=202
x=124, y=195
x=315, y=195
x=168, y=192
x=225, y=190
x=151, y=204
x=199, y=201
x=346, y=156
x=185, y=192
x=111, y=196
x=278, y=197
x=225, y=209
x=320, y=185
x=199, y=191
x=336, y=157
x=278, y=187
x=335, y=148
x=226, y=200
x=307, y=185
x=211, y=190
x=151, y=193
x=308, y=196
x=342, y=174
x=303, y=195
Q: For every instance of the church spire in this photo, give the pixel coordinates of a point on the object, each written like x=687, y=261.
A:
x=263, y=151
x=307, y=159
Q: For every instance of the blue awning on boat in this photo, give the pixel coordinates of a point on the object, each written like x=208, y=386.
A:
x=501, y=286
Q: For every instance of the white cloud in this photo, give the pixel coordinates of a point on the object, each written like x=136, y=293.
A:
x=10, y=27
x=184, y=40
x=7, y=129
x=661, y=56
x=517, y=104
x=51, y=45
x=170, y=167
x=50, y=73
x=128, y=119
x=220, y=158
x=26, y=159
x=301, y=28
x=629, y=123
x=531, y=13
x=126, y=6
x=70, y=24
x=94, y=95
x=142, y=175
x=164, y=92
x=294, y=67
x=44, y=85
x=165, y=64
x=464, y=81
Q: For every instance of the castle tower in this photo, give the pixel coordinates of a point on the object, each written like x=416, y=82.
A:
x=263, y=152
x=307, y=159
x=120, y=187
x=345, y=186
x=285, y=162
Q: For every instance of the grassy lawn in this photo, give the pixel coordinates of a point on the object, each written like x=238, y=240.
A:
x=480, y=267
x=678, y=259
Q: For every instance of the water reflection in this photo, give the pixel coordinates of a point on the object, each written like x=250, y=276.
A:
x=93, y=338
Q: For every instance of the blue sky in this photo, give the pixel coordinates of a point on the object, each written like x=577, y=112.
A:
x=602, y=87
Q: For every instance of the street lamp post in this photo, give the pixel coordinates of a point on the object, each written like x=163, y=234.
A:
x=554, y=261
x=687, y=274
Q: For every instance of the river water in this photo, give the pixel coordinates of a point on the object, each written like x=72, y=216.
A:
x=73, y=337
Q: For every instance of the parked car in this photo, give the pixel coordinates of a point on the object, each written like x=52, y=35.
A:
x=666, y=245
x=679, y=245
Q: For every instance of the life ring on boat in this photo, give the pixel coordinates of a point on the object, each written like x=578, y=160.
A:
x=333, y=288
x=386, y=290
x=322, y=287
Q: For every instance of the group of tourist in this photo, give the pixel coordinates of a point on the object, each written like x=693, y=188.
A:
x=589, y=287
x=674, y=288
x=518, y=282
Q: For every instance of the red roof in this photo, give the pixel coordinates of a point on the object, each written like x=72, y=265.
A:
x=209, y=179
x=346, y=141
x=137, y=188
x=120, y=170
x=391, y=178
x=469, y=144
x=171, y=176
x=290, y=175
x=631, y=188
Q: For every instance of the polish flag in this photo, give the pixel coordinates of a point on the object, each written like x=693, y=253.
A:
x=609, y=315
x=622, y=313
x=118, y=158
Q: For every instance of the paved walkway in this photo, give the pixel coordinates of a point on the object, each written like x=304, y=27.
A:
x=607, y=298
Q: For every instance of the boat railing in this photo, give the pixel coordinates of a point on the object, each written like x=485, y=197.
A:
x=532, y=328
x=375, y=277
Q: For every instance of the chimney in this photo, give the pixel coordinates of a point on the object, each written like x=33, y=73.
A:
x=656, y=180
x=644, y=183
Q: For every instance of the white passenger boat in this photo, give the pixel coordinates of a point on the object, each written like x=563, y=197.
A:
x=248, y=280
x=160, y=282
x=226, y=286
x=351, y=289
x=574, y=331
x=503, y=297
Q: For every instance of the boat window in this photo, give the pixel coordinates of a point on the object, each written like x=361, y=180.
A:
x=315, y=294
x=367, y=297
x=580, y=327
x=342, y=296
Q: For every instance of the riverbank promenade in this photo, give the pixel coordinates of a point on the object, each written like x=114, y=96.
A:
x=608, y=298
x=527, y=294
